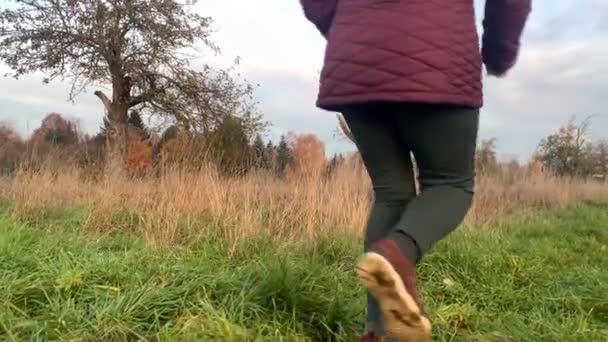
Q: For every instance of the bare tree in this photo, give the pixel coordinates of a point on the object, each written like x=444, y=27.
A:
x=567, y=151
x=485, y=156
x=142, y=49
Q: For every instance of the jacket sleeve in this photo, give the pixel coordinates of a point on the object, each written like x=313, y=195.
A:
x=503, y=26
x=320, y=13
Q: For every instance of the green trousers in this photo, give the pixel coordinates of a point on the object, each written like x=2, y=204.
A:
x=442, y=140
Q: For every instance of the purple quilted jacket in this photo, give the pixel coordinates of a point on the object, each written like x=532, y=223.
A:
x=413, y=50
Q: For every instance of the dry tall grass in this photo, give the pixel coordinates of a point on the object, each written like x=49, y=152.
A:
x=180, y=204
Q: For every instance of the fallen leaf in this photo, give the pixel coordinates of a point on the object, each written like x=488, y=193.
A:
x=447, y=281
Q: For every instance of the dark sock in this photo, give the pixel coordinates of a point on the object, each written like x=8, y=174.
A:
x=408, y=246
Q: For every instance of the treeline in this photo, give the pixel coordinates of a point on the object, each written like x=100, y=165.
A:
x=234, y=151
x=568, y=152
x=150, y=150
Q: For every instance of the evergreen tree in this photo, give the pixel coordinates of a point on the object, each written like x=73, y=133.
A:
x=270, y=157
x=258, y=150
x=230, y=146
x=135, y=120
x=283, y=156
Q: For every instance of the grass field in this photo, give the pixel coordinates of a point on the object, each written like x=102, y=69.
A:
x=535, y=277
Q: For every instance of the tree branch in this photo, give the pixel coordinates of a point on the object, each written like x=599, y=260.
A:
x=104, y=99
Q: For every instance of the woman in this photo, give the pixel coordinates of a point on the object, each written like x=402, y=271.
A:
x=406, y=75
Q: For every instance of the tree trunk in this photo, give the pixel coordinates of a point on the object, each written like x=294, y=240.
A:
x=117, y=137
x=120, y=122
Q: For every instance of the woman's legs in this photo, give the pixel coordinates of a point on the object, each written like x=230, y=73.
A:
x=443, y=140
x=390, y=168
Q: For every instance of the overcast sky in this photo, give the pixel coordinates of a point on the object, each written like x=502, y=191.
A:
x=562, y=71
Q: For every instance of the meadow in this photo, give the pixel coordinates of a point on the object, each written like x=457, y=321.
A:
x=191, y=256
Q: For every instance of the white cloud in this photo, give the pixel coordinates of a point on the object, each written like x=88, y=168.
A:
x=270, y=36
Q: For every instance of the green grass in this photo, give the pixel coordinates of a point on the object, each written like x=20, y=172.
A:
x=541, y=278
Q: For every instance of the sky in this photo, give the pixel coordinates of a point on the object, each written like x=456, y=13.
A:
x=562, y=72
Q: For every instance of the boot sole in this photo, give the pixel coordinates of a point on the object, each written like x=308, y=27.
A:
x=401, y=315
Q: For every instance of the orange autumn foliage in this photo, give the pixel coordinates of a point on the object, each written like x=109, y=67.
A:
x=307, y=156
x=138, y=159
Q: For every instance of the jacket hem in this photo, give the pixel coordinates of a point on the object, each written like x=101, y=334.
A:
x=338, y=103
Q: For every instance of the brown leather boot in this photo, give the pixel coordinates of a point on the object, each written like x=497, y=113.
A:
x=391, y=279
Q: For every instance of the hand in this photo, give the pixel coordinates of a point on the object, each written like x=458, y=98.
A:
x=495, y=73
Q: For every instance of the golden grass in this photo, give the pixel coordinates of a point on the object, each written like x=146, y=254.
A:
x=181, y=204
